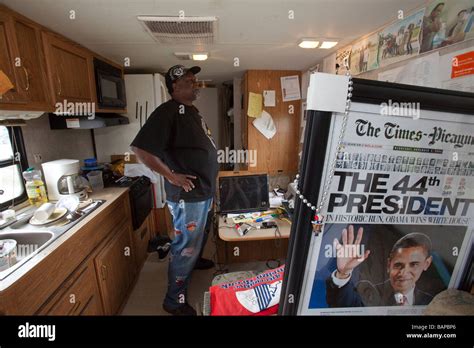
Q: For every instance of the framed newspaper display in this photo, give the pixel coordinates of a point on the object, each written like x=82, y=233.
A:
x=394, y=184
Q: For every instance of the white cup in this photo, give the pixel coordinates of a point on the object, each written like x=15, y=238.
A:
x=44, y=212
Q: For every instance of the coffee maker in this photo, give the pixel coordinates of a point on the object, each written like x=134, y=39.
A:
x=63, y=179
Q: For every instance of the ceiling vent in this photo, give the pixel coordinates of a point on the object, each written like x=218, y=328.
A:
x=180, y=30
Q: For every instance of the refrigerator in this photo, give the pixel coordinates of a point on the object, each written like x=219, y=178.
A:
x=145, y=92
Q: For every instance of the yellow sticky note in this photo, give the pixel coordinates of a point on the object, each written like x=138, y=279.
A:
x=5, y=83
x=255, y=107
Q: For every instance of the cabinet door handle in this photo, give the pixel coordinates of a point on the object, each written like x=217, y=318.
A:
x=59, y=85
x=140, y=116
x=27, y=78
x=104, y=272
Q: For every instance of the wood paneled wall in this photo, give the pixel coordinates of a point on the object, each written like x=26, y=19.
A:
x=279, y=154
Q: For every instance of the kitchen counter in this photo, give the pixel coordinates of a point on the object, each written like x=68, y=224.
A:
x=110, y=195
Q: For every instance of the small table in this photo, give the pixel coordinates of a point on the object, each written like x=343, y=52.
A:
x=256, y=245
x=228, y=232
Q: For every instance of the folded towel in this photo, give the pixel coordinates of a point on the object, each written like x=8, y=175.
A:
x=5, y=83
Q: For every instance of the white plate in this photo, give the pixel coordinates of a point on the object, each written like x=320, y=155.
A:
x=56, y=215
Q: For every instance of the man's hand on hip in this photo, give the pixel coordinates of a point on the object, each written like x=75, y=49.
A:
x=182, y=180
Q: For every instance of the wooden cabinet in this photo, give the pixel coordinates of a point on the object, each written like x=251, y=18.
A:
x=251, y=251
x=141, y=237
x=9, y=56
x=45, y=68
x=22, y=59
x=115, y=266
x=280, y=153
x=71, y=73
x=95, y=264
x=79, y=295
x=32, y=68
x=92, y=307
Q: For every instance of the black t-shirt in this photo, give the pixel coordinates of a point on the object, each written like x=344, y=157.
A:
x=178, y=135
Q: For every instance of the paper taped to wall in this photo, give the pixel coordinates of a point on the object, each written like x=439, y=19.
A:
x=269, y=98
x=255, y=107
x=265, y=125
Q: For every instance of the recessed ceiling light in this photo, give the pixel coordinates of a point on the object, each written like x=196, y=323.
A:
x=308, y=43
x=328, y=44
x=200, y=56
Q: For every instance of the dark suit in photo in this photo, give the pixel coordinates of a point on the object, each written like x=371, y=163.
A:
x=365, y=294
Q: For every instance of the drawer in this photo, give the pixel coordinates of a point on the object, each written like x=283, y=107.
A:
x=77, y=294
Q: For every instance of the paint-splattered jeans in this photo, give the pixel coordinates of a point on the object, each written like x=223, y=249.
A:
x=189, y=219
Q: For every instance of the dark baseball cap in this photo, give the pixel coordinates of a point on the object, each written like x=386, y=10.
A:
x=176, y=72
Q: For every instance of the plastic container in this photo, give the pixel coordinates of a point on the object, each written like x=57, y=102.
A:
x=35, y=188
x=90, y=162
x=96, y=180
x=7, y=253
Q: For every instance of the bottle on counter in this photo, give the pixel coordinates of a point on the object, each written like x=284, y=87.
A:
x=35, y=188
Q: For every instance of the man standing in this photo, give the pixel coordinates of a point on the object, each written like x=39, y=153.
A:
x=176, y=143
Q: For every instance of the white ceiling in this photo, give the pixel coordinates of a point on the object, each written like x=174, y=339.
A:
x=258, y=32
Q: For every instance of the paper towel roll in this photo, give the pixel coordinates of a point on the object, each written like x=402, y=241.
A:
x=44, y=212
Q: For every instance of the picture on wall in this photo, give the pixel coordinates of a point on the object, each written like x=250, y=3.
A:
x=343, y=60
x=364, y=55
x=401, y=40
x=446, y=23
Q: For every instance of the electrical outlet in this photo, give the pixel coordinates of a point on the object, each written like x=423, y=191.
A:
x=37, y=157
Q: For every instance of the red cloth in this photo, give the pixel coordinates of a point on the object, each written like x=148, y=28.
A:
x=253, y=296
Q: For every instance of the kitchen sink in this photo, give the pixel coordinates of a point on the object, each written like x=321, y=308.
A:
x=28, y=243
x=28, y=240
x=32, y=239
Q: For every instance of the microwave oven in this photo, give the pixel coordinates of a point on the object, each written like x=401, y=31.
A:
x=110, y=86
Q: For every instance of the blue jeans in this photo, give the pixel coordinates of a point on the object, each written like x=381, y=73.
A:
x=189, y=219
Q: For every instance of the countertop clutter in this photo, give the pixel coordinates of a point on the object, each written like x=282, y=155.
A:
x=82, y=248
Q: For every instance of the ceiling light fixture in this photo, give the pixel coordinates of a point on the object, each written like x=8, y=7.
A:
x=314, y=43
x=191, y=55
x=200, y=56
x=308, y=43
x=328, y=44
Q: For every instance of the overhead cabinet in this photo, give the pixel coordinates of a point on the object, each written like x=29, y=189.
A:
x=44, y=67
x=32, y=74
x=70, y=70
x=21, y=59
x=8, y=56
